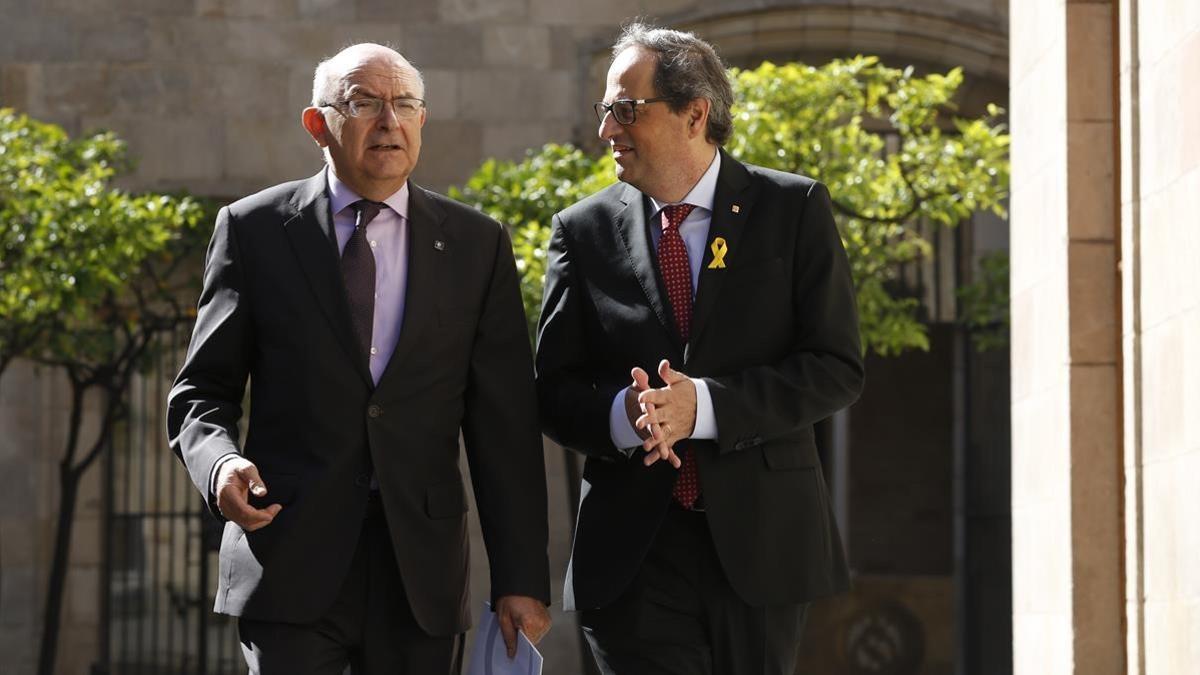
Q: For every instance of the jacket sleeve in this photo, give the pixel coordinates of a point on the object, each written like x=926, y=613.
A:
x=574, y=402
x=204, y=405
x=503, y=445
x=823, y=371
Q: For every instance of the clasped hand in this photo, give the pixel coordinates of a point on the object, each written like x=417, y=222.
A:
x=663, y=416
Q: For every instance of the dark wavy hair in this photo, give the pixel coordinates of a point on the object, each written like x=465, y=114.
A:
x=688, y=68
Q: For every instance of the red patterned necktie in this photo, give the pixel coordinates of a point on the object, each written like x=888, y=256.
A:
x=677, y=275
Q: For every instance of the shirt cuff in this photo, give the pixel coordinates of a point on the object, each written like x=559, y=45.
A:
x=212, y=477
x=706, y=419
x=620, y=430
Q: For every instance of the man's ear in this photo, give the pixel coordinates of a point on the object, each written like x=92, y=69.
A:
x=698, y=117
x=313, y=120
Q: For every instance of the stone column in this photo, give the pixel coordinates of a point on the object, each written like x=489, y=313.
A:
x=1160, y=181
x=1066, y=378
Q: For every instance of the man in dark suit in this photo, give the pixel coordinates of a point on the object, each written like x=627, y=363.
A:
x=375, y=320
x=699, y=554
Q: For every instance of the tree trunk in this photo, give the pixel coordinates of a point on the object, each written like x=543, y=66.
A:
x=69, y=480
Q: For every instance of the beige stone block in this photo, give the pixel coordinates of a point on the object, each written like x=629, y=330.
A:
x=1090, y=45
x=1093, y=300
x=1091, y=155
x=299, y=90
x=441, y=93
x=245, y=89
x=451, y=150
x=268, y=150
x=1163, y=525
x=390, y=10
x=482, y=11
x=1171, y=630
x=1038, y=116
x=261, y=9
x=87, y=537
x=16, y=82
x=512, y=141
x=1159, y=31
x=458, y=46
x=171, y=152
x=1040, y=351
x=1096, y=518
x=1170, y=236
x=554, y=12
x=321, y=9
x=1164, y=408
x=518, y=46
x=1041, y=563
x=1169, y=114
x=1040, y=448
x=1037, y=28
x=107, y=8
x=1041, y=643
x=516, y=96
x=19, y=644
x=1038, y=229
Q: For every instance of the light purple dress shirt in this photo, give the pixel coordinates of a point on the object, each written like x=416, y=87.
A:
x=694, y=231
x=387, y=235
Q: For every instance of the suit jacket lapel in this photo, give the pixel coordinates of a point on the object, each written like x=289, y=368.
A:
x=734, y=188
x=312, y=236
x=635, y=235
x=426, y=226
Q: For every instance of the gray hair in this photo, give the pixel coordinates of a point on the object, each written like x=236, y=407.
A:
x=327, y=78
x=687, y=68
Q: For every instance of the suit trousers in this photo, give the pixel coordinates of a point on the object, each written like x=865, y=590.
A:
x=370, y=627
x=680, y=616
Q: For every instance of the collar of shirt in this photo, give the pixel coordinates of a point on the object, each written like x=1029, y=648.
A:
x=701, y=195
x=341, y=196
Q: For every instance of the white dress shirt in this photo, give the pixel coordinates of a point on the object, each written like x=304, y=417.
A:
x=694, y=231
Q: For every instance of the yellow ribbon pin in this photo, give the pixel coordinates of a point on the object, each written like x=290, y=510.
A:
x=719, y=249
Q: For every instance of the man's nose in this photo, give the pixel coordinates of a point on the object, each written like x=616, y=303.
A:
x=387, y=118
x=609, y=126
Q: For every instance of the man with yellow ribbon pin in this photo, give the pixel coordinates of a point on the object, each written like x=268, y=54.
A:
x=698, y=319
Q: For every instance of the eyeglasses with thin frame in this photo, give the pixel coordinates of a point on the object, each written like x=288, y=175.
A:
x=624, y=110
x=405, y=107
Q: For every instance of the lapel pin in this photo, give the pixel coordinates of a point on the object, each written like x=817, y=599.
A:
x=737, y=209
x=439, y=244
x=719, y=249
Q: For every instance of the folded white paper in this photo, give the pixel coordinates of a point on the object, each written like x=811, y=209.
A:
x=489, y=656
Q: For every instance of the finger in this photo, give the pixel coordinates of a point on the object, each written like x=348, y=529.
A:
x=650, y=419
x=254, y=482
x=508, y=631
x=654, y=396
x=668, y=374
x=641, y=379
x=256, y=519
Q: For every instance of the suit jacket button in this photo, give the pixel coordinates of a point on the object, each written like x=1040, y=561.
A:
x=374, y=411
x=362, y=480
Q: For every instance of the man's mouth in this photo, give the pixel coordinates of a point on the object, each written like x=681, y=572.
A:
x=386, y=147
x=619, y=149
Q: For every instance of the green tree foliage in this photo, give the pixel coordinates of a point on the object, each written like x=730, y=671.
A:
x=526, y=195
x=79, y=256
x=884, y=140
x=89, y=277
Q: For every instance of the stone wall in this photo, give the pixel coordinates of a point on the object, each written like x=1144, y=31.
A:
x=208, y=94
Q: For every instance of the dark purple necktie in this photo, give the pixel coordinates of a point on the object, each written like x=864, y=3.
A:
x=358, y=272
x=677, y=275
